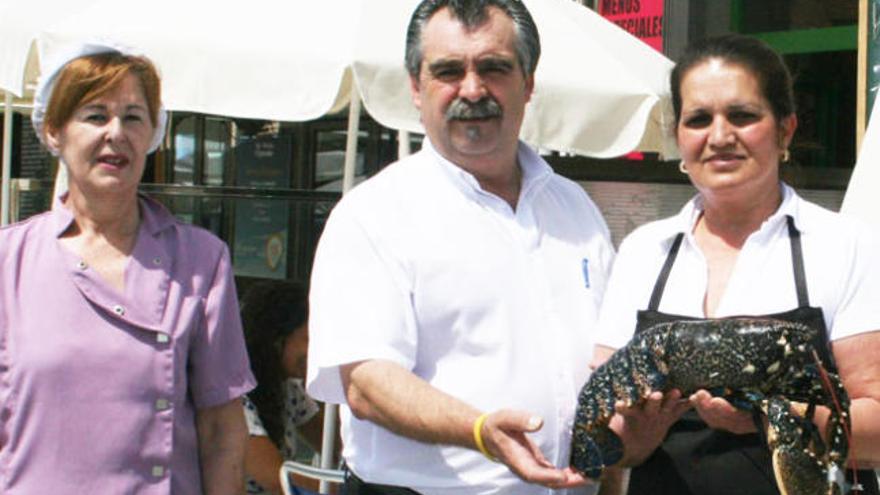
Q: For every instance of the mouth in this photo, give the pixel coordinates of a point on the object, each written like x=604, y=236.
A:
x=113, y=160
x=473, y=120
x=722, y=159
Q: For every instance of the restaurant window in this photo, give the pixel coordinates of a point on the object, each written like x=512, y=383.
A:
x=261, y=240
x=216, y=148
x=817, y=38
x=184, y=151
x=201, y=158
x=761, y=16
x=330, y=158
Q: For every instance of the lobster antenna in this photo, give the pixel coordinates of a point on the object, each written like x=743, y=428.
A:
x=826, y=382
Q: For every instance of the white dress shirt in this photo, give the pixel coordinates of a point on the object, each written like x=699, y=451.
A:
x=420, y=266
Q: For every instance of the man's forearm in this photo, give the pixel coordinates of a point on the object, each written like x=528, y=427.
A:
x=395, y=398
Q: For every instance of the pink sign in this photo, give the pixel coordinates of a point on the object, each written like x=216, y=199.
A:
x=641, y=18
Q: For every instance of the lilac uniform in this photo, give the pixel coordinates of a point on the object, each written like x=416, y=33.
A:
x=98, y=389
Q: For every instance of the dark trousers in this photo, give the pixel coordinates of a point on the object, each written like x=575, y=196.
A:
x=356, y=486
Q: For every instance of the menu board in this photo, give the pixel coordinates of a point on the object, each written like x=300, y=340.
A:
x=260, y=242
x=641, y=18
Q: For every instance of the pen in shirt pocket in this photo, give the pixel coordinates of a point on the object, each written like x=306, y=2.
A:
x=585, y=267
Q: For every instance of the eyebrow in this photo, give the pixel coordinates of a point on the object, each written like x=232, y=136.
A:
x=445, y=64
x=496, y=63
x=733, y=104
x=490, y=60
x=103, y=107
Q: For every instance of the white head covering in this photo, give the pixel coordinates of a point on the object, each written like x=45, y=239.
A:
x=52, y=64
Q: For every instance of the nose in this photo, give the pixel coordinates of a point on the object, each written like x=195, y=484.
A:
x=114, y=131
x=721, y=132
x=472, y=87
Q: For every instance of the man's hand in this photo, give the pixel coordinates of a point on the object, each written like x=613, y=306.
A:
x=721, y=414
x=643, y=426
x=504, y=435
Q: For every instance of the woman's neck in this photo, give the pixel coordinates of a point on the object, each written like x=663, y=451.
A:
x=115, y=218
x=735, y=219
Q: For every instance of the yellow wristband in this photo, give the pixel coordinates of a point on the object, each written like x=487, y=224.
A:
x=478, y=437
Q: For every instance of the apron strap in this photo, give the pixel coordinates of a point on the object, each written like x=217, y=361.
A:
x=797, y=263
x=660, y=284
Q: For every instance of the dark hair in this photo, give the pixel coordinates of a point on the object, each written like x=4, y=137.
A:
x=473, y=13
x=752, y=54
x=270, y=311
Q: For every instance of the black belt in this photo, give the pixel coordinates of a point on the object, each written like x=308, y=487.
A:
x=353, y=485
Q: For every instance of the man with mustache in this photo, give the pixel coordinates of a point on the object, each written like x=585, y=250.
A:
x=454, y=294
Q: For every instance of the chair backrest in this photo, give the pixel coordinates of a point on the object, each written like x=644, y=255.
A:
x=288, y=468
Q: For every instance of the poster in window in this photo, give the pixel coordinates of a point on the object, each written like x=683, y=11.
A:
x=261, y=243
x=641, y=18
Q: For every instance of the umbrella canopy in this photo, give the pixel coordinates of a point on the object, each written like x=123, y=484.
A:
x=267, y=60
x=861, y=198
x=20, y=23
x=598, y=90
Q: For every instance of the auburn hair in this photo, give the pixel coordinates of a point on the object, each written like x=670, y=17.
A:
x=86, y=78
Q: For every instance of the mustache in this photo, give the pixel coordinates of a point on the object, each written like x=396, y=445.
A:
x=484, y=108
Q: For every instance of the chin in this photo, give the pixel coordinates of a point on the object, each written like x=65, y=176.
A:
x=468, y=147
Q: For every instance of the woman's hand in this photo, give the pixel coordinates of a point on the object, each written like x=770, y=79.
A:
x=643, y=426
x=720, y=414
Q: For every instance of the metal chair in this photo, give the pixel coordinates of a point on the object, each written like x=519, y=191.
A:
x=325, y=475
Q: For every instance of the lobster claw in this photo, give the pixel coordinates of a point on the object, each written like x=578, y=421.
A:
x=798, y=470
x=596, y=451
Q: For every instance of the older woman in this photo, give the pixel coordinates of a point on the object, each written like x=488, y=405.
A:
x=122, y=360
x=747, y=244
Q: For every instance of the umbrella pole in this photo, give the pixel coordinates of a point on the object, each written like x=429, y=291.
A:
x=7, y=159
x=354, y=124
x=331, y=411
x=403, y=149
x=328, y=435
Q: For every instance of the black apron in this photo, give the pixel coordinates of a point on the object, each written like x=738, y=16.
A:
x=695, y=459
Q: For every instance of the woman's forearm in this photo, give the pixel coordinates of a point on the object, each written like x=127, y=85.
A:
x=222, y=435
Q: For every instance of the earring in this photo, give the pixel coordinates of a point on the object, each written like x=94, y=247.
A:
x=786, y=155
x=682, y=168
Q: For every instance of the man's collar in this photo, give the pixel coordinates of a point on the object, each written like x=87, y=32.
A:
x=535, y=170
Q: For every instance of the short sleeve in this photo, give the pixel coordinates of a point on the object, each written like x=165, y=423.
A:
x=624, y=296
x=858, y=311
x=303, y=407
x=252, y=416
x=219, y=366
x=360, y=302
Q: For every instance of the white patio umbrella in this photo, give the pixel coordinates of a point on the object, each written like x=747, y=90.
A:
x=293, y=61
x=20, y=23
x=599, y=91
x=861, y=199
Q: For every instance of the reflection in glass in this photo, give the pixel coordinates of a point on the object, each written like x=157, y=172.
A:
x=330, y=158
x=760, y=16
x=184, y=151
x=216, y=145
